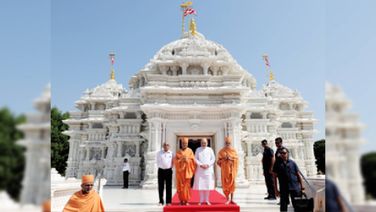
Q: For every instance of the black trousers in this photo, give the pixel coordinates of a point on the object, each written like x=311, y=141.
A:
x=125, y=179
x=269, y=182
x=284, y=194
x=165, y=175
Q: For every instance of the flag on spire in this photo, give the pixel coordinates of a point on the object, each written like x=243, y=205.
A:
x=266, y=60
x=189, y=11
x=112, y=58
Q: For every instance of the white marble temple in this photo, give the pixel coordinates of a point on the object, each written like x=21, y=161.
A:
x=343, y=140
x=36, y=182
x=191, y=87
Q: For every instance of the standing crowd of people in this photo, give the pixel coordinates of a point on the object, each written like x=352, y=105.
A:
x=200, y=165
x=280, y=168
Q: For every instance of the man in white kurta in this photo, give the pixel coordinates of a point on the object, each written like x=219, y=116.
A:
x=204, y=176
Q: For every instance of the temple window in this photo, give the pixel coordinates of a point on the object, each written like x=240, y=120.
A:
x=130, y=116
x=195, y=70
x=97, y=126
x=179, y=72
x=284, y=106
x=286, y=125
x=256, y=116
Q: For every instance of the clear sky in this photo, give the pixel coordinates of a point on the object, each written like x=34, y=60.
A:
x=351, y=58
x=308, y=43
x=25, y=42
x=84, y=32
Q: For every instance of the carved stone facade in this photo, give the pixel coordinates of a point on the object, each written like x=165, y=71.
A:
x=37, y=141
x=343, y=141
x=192, y=87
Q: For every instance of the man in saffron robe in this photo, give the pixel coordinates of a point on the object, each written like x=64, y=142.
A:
x=85, y=200
x=228, y=161
x=184, y=161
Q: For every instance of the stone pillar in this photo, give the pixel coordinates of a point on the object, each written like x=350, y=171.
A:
x=163, y=69
x=234, y=129
x=174, y=70
x=87, y=153
x=119, y=149
x=296, y=156
x=72, y=159
x=205, y=67
x=310, y=161
x=356, y=189
x=184, y=67
x=103, y=151
x=151, y=181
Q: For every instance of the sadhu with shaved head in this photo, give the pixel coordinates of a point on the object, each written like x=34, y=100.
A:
x=184, y=161
x=228, y=161
x=85, y=200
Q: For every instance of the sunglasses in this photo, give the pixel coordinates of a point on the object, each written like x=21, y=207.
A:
x=89, y=185
x=283, y=153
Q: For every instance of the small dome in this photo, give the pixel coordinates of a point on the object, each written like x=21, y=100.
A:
x=275, y=89
x=108, y=90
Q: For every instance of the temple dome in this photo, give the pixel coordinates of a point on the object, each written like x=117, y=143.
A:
x=195, y=49
x=106, y=91
x=275, y=89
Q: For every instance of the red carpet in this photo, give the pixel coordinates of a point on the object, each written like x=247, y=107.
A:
x=216, y=199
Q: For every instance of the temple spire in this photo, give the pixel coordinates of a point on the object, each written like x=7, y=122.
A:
x=112, y=58
x=186, y=10
x=265, y=57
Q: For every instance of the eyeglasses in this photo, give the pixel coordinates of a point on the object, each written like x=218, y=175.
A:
x=89, y=185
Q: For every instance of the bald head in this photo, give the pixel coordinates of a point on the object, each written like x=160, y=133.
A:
x=184, y=143
x=228, y=141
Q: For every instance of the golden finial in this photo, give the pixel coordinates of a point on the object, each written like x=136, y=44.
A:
x=112, y=74
x=187, y=10
x=193, y=27
x=112, y=58
x=271, y=76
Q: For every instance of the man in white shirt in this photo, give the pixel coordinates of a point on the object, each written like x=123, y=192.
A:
x=204, y=176
x=126, y=171
x=164, y=162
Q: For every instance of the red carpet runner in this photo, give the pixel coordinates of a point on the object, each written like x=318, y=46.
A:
x=217, y=201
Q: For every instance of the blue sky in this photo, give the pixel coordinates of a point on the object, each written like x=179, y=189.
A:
x=25, y=42
x=351, y=58
x=292, y=33
x=308, y=43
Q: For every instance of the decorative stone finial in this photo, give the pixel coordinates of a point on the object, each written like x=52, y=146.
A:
x=193, y=27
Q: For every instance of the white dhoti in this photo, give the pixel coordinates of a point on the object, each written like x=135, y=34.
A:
x=204, y=178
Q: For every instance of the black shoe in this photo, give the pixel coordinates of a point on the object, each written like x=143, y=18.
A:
x=266, y=197
x=272, y=198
